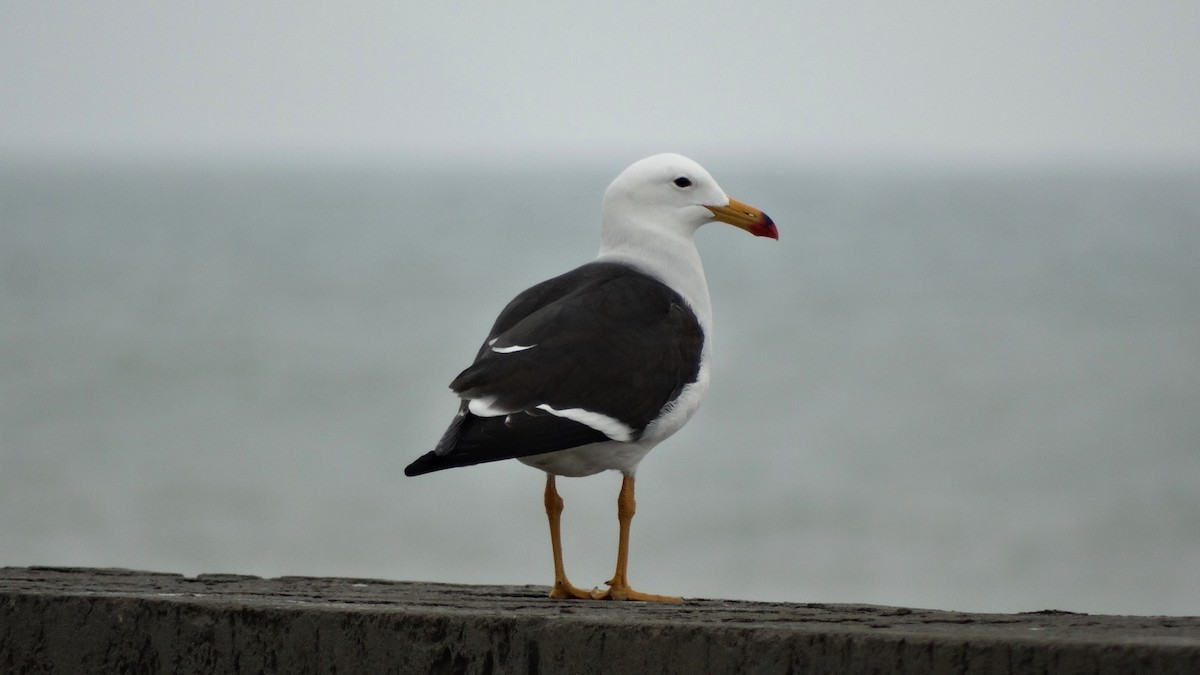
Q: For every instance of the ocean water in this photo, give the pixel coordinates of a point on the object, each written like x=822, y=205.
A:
x=963, y=389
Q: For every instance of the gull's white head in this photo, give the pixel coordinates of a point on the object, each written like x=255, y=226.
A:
x=673, y=194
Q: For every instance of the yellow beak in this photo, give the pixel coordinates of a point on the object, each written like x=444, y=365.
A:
x=746, y=217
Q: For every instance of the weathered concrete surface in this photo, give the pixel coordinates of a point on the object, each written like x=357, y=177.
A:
x=120, y=621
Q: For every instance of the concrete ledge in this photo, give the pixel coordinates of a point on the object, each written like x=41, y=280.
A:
x=117, y=621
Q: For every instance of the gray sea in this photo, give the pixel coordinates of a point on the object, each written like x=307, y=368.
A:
x=971, y=389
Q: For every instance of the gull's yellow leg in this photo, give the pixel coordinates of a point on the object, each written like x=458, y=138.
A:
x=554, y=508
x=618, y=586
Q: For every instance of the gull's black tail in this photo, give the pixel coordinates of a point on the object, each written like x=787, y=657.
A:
x=471, y=439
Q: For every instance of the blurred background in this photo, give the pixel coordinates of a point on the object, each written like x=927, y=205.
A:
x=244, y=248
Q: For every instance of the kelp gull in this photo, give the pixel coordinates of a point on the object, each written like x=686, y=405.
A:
x=588, y=371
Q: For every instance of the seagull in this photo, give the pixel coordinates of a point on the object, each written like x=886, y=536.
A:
x=590, y=370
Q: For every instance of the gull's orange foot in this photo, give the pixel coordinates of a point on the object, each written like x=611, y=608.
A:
x=624, y=592
x=564, y=590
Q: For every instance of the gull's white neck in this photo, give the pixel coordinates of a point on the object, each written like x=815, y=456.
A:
x=668, y=255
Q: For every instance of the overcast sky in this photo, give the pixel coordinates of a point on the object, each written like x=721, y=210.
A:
x=913, y=79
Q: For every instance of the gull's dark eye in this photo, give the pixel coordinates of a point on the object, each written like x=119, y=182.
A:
x=682, y=182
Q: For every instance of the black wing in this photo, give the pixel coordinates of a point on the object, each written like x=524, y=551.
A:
x=603, y=338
